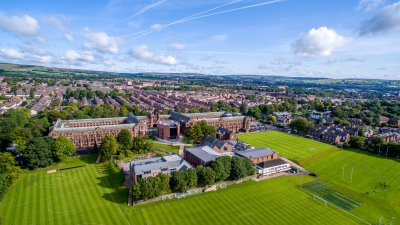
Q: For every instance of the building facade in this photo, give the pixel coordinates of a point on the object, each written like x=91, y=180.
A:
x=168, y=129
x=88, y=133
x=233, y=122
x=258, y=155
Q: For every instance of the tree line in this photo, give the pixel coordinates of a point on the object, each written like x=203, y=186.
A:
x=223, y=168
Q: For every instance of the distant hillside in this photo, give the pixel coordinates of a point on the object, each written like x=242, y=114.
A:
x=7, y=69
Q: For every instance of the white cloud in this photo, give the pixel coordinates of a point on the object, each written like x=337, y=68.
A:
x=72, y=55
x=11, y=53
x=59, y=22
x=177, y=46
x=166, y=59
x=218, y=37
x=102, y=42
x=318, y=42
x=386, y=20
x=69, y=37
x=24, y=25
x=369, y=5
x=141, y=52
x=43, y=58
x=156, y=27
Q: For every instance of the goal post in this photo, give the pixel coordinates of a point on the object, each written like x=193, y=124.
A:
x=316, y=197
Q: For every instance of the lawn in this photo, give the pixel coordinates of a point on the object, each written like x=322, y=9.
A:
x=93, y=195
x=354, y=173
x=166, y=147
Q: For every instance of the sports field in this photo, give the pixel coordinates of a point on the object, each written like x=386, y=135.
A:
x=292, y=147
x=93, y=195
x=366, y=178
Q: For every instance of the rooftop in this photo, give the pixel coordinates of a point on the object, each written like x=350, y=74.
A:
x=158, y=164
x=255, y=153
x=204, y=153
x=170, y=123
x=272, y=163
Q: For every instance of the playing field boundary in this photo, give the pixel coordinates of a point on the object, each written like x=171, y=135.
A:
x=312, y=195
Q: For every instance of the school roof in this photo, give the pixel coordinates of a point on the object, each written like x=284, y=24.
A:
x=204, y=153
x=272, y=163
x=255, y=153
x=212, y=142
x=158, y=164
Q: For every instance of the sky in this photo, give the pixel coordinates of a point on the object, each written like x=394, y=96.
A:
x=303, y=38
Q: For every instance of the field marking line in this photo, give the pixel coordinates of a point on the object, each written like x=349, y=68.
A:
x=15, y=200
x=102, y=180
x=346, y=200
x=310, y=194
x=343, y=210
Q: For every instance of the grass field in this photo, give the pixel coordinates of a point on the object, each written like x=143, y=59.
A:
x=292, y=147
x=93, y=195
x=166, y=147
x=352, y=172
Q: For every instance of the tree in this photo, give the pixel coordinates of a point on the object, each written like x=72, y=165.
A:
x=191, y=177
x=301, y=125
x=243, y=108
x=219, y=170
x=8, y=169
x=137, y=190
x=375, y=143
x=108, y=147
x=356, y=142
x=3, y=185
x=273, y=119
x=227, y=162
x=238, y=168
x=63, y=148
x=142, y=144
x=164, y=183
x=179, y=182
x=250, y=170
x=125, y=142
x=206, y=175
x=38, y=153
x=206, y=129
x=194, y=133
x=197, y=132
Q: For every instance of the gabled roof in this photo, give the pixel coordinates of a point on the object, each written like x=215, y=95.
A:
x=212, y=142
x=159, y=164
x=204, y=153
x=180, y=117
x=255, y=153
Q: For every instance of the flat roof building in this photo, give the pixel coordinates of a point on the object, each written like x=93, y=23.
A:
x=272, y=166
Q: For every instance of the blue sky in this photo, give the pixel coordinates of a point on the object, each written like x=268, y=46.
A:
x=310, y=38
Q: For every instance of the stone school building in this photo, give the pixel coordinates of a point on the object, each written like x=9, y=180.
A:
x=88, y=133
